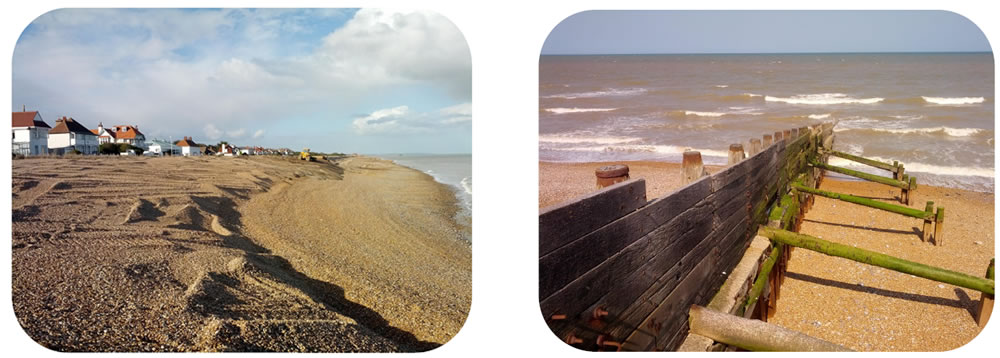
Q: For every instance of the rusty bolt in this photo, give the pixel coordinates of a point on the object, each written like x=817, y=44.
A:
x=573, y=339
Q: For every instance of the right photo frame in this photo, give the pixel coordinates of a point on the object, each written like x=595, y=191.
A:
x=766, y=180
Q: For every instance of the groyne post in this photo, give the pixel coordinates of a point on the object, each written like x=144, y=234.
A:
x=777, y=136
x=768, y=140
x=939, y=227
x=611, y=174
x=754, y=146
x=691, y=167
x=735, y=154
x=985, y=308
x=787, y=135
x=929, y=209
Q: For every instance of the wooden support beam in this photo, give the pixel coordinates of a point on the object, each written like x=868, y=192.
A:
x=862, y=175
x=985, y=308
x=869, y=162
x=762, y=278
x=753, y=335
x=902, y=210
x=877, y=259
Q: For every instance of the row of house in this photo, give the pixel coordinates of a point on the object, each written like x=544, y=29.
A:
x=32, y=136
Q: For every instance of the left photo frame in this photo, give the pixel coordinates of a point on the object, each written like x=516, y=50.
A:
x=285, y=180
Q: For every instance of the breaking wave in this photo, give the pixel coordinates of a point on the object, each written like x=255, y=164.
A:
x=823, y=99
x=578, y=110
x=952, y=101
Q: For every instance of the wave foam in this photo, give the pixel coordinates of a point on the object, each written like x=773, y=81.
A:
x=467, y=185
x=660, y=149
x=954, y=132
x=578, y=110
x=953, y=100
x=704, y=114
x=924, y=168
x=564, y=139
x=605, y=93
x=823, y=99
x=819, y=116
x=721, y=86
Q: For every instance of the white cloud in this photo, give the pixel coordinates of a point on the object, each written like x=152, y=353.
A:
x=237, y=133
x=393, y=46
x=212, y=132
x=259, y=133
x=401, y=120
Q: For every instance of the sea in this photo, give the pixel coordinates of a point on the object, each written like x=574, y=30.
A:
x=454, y=170
x=934, y=112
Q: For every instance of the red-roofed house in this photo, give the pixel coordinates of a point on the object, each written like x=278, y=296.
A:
x=189, y=147
x=68, y=134
x=30, y=133
x=120, y=134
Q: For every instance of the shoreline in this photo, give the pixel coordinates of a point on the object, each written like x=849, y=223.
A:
x=463, y=214
x=561, y=181
x=104, y=249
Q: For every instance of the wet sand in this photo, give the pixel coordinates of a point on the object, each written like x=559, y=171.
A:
x=235, y=254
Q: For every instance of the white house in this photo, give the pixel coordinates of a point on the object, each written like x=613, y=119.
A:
x=162, y=147
x=30, y=133
x=189, y=147
x=68, y=134
x=120, y=134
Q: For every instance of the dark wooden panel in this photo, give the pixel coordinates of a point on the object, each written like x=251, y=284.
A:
x=560, y=224
x=681, y=260
x=669, y=312
x=565, y=264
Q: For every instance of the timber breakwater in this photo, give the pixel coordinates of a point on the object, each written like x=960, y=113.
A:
x=701, y=268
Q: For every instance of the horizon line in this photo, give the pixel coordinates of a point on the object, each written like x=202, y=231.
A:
x=766, y=53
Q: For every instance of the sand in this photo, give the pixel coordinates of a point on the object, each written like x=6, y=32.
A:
x=869, y=308
x=856, y=305
x=558, y=182
x=244, y=254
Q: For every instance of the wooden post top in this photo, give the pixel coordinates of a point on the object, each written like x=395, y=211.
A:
x=612, y=171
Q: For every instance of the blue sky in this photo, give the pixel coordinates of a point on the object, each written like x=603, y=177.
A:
x=646, y=32
x=345, y=80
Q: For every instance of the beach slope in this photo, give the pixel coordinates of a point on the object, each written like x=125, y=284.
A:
x=188, y=254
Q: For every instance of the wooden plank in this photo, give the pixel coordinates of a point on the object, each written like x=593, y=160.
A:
x=597, y=282
x=562, y=223
x=671, y=278
x=566, y=263
x=685, y=292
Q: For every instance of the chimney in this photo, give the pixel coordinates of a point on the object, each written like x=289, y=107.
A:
x=24, y=108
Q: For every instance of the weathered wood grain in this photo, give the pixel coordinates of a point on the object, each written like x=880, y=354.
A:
x=560, y=224
x=569, y=262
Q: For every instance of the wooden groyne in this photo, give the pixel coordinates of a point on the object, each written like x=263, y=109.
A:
x=618, y=272
x=615, y=266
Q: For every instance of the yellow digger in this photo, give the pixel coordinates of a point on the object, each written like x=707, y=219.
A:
x=306, y=155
